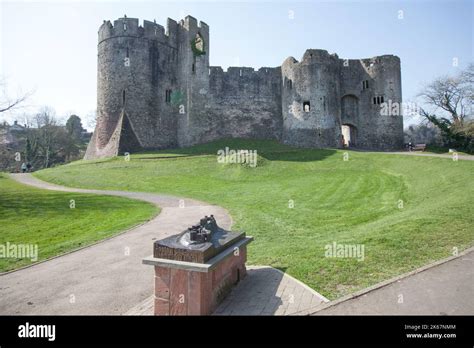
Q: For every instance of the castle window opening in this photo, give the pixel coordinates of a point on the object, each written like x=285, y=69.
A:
x=128, y=52
x=365, y=84
x=123, y=97
x=124, y=26
x=168, y=96
x=378, y=100
x=240, y=72
x=193, y=68
x=306, y=106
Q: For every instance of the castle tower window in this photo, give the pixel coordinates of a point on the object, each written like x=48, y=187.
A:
x=378, y=100
x=128, y=52
x=365, y=84
x=193, y=68
x=124, y=26
x=168, y=96
x=306, y=106
x=123, y=97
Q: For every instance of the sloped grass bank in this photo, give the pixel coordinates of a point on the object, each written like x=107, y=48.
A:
x=405, y=211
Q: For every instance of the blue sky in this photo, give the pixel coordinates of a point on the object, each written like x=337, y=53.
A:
x=51, y=47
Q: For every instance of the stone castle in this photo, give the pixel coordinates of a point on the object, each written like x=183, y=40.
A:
x=155, y=90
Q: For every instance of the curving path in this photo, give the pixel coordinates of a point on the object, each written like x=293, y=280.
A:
x=439, y=155
x=101, y=278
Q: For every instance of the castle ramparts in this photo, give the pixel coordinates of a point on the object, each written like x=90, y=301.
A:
x=157, y=90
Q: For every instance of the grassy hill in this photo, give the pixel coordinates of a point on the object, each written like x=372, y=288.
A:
x=30, y=216
x=406, y=211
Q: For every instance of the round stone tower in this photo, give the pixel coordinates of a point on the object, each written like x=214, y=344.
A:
x=386, y=126
x=310, y=100
x=134, y=84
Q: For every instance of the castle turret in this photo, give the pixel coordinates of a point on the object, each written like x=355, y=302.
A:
x=192, y=76
x=135, y=73
x=369, y=87
x=310, y=100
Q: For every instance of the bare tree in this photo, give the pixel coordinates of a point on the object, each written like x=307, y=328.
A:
x=453, y=95
x=46, y=124
x=7, y=103
x=450, y=99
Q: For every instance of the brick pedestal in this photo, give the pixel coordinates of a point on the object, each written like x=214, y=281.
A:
x=188, y=288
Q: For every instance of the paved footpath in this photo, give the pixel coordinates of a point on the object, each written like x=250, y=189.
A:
x=445, y=287
x=264, y=291
x=422, y=154
x=102, y=279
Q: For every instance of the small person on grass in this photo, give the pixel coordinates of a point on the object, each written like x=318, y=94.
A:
x=23, y=167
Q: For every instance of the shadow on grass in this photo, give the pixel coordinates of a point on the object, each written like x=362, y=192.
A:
x=268, y=149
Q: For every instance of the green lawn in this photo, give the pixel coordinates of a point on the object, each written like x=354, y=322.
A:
x=347, y=202
x=30, y=216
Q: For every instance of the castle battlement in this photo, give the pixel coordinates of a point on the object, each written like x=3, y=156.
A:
x=190, y=24
x=157, y=90
x=130, y=27
x=319, y=56
x=241, y=71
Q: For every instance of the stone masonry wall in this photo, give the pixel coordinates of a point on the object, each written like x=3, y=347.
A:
x=300, y=103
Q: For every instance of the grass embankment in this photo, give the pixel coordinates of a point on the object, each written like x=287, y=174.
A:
x=347, y=202
x=30, y=216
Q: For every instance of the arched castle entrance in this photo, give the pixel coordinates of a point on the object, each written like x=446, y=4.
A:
x=349, y=132
x=349, y=119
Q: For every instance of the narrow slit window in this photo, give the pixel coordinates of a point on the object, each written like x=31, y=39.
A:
x=194, y=68
x=128, y=52
x=381, y=99
x=168, y=95
x=123, y=97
